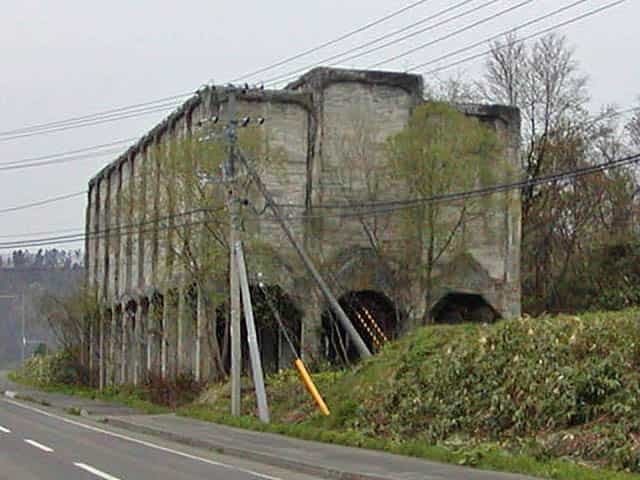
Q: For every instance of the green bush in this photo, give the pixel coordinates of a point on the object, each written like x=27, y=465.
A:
x=58, y=368
x=524, y=379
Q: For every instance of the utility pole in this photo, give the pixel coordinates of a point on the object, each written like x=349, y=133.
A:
x=234, y=284
x=229, y=174
x=362, y=348
x=252, y=338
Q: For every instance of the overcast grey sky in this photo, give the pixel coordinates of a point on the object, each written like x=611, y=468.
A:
x=72, y=57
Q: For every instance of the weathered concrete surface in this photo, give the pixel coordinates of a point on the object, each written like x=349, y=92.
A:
x=330, y=127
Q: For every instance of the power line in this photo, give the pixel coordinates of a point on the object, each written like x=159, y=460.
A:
x=98, y=121
x=501, y=34
x=368, y=208
x=125, y=112
x=506, y=32
x=69, y=152
x=56, y=161
x=330, y=42
x=454, y=33
x=135, y=114
x=140, y=109
x=118, y=230
x=125, y=109
x=91, y=116
x=68, y=156
x=43, y=202
x=359, y=210
x=293, y=73
x=46, y=232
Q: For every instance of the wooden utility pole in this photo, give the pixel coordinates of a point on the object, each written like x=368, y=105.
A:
x=362, y=348
x=252, y=339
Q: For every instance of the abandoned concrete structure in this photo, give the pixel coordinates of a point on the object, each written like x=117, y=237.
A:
x=154, y=321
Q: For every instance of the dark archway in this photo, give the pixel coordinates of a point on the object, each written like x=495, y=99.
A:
x=458, y=307
x=131, y=308
x=373, y=315
x=274, y=349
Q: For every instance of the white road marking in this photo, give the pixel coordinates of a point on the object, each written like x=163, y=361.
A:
x=141, y=442
x=4, y=430
x=44, y=448
x=95, y=471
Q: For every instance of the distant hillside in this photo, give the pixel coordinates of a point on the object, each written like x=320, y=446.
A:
x=32, y=273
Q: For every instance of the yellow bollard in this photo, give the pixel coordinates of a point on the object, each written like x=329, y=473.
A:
x=311, y=388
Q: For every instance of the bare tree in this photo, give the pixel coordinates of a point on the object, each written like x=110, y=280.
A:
x=561, y=219
x=633, y=129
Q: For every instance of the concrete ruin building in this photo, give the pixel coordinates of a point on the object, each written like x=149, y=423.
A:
x=152, y=321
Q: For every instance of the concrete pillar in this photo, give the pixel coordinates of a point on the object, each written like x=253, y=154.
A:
x=202, y=350
x=92, y=351
x=84, y=333
x=141, y=341
x=124, y=345
x=164, y=360
x=136, y=344
x=311, y=328
x=154, y=338
x=185, y=333
x=102, y=321
x=170, y=336
x=112, y=371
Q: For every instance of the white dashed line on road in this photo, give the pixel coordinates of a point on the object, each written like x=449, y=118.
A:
x=95, y=471
x=4, y=430
x=142, y=442
x=44, y=448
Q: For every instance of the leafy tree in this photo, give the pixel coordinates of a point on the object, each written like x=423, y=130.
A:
x=186, y=198
x=440, y=151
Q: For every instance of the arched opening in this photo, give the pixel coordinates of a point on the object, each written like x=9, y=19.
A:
x=131, y=308
x=373, y=315
x=463, y=307
x=268, y=301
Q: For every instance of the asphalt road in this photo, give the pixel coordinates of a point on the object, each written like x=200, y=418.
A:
x=36, y=443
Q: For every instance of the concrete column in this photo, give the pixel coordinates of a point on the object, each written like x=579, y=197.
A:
x=135, y=345
x=84, y=333
x=102, y=321
x=141, y=338
x=92, y=350
x=164, y=360
x=124, y=345
x=113, y=348
x=154, y=338
x=202, y=351
x=185, y=333
x=150, y=337
x=311, y=326
x=170, y=336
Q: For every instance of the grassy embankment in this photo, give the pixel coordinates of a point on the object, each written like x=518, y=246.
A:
x=552, y=397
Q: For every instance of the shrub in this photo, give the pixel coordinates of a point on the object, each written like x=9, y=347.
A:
x=185, y=389
x=61, y=367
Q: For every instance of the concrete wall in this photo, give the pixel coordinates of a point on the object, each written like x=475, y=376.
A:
x=328, y=128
